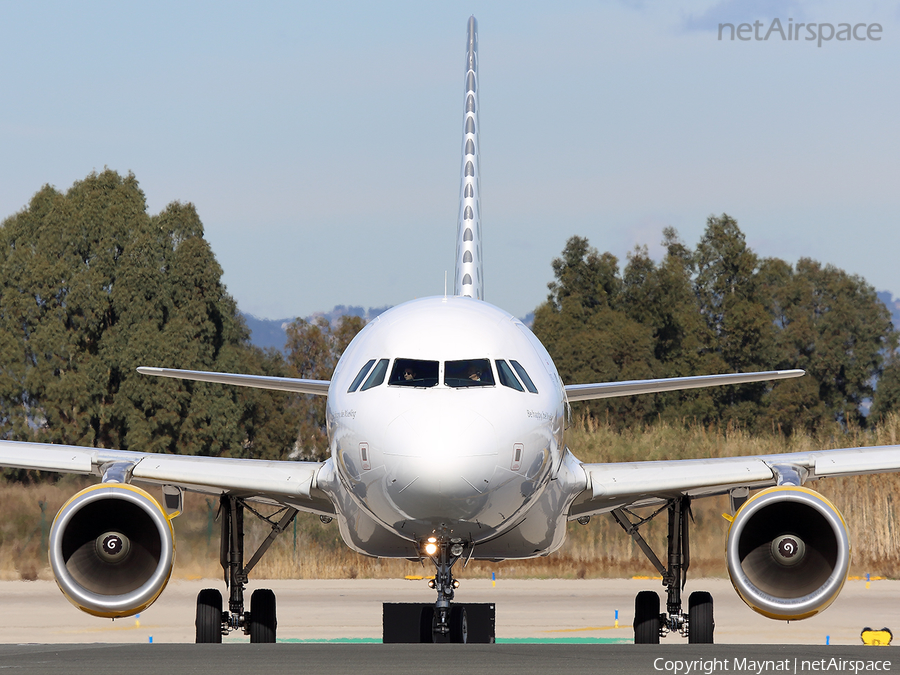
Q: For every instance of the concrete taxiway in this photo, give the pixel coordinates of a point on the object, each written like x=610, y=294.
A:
x=535, y=610
x=498, y=659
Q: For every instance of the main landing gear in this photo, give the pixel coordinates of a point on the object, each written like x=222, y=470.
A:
x=649, y=623
x=444, y=622
x=260, y=622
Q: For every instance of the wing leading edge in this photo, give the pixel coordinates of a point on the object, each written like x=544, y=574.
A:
x=614, y=485
x=291, y=483
x=574, y=392
x=293, y=384
x=586, y=392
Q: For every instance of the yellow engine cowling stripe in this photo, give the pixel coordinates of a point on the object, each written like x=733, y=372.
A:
x=155, y=503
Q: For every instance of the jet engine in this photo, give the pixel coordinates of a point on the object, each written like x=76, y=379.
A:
x=788, y=552
x=112, y=549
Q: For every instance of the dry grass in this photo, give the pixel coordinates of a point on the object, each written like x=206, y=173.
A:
x=313, y=550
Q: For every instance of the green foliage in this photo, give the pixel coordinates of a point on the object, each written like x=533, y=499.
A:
x=314, y=348
x=584, y=327
x=833, y=326
x=887, y=396
x=91, y=287
x=720, y=309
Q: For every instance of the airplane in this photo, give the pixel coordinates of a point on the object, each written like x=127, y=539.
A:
x=446, y=422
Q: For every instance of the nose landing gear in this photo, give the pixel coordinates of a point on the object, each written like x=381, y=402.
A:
x=444, y=622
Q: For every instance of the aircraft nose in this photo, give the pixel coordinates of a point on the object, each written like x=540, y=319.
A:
x=442, y=434
x=424, y=489
x=442, y=463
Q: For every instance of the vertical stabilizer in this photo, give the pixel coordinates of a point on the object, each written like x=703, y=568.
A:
x=469, y=275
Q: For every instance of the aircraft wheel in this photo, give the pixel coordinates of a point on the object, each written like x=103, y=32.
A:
x=459, y=625
x=209, y=616
x=646, y=618
x=425, y=624
x=262, y=616
x=700, y=618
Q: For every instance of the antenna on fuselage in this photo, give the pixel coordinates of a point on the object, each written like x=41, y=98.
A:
x=469, y=276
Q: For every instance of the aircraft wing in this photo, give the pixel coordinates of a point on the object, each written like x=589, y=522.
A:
x=614, y=485
x=297, y=385
x=586, y=392
x=292, y=483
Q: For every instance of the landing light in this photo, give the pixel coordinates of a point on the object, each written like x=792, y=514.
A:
x=431, y=548
x=456, y=550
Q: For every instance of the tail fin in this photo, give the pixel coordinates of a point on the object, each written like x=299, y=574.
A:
x=469, y=274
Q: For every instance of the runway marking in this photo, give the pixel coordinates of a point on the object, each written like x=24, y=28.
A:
x=106, y=628
x=580, y=630
x=531, y=640
x=566, y=641
x=330, y=640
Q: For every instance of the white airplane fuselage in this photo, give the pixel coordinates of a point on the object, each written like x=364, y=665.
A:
x=440, y=455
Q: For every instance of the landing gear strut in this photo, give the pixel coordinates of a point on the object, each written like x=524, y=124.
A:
x=260, y=622
x=649, y=624
x=445, y=622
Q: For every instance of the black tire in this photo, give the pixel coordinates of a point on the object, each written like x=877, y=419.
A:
x=262, y=616
x=425, y=624
x=209, y=616
x=459, y=625
x=700, y=618
x=646, y=618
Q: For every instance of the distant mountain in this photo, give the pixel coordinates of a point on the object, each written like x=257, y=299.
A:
x=344, y=310
x=267, y=333
x=893, y=305
x=271, y=332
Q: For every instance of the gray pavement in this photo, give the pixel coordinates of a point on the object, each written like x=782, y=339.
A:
x=544, y=610
x=499, y=659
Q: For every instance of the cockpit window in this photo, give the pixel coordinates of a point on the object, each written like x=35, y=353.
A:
x=359, y=377
x=507, y=379
x=414, y=373
x=529, y=385
x=377, y=376
x=469, y=373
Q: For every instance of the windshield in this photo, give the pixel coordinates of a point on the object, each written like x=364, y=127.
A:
x=359, y=378
x=414, y=373
x=377, y=376
x=468, y=373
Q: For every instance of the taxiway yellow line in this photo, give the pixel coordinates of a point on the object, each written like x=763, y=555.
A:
x=580, y=630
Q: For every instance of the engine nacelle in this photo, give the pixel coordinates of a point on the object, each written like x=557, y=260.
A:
x=788, y=552
x=112, y=549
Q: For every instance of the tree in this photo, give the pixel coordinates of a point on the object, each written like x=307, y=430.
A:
x=832, y=325
x=313, y=350
x=590, y=338
x=720, y=309
x=662, y=297
x=584, y=279
x=91, y=287
x=887, y=396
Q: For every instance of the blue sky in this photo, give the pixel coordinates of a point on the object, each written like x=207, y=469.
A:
x=321, y=142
